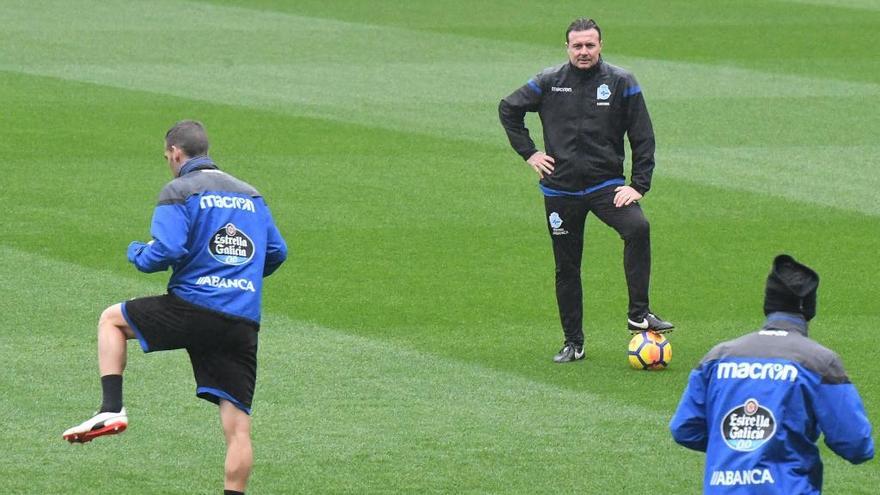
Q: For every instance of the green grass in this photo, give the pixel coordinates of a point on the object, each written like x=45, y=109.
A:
x=407, y=341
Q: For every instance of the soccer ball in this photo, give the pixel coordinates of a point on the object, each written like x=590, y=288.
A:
x=649, y=351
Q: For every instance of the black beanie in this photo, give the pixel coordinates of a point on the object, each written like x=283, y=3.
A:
x=791, y=287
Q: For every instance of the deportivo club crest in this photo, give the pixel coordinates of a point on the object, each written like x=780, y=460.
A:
x=747, y=427
x=231, y=246
x=556, y=224
x=603, y=93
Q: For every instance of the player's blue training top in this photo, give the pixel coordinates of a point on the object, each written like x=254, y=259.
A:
x=756, y=405
x=217, y=235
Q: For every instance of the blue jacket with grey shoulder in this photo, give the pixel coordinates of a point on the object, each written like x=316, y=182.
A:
x=217, y=235
x=757, y=404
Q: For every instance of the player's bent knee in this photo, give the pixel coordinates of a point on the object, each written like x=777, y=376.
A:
x=112, y=317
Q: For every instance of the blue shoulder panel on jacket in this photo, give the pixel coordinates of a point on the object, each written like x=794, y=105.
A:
x=532, y=84
x=632, y=91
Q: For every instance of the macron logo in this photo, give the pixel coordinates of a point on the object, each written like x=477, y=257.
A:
x=757, y=371
x=218, y=201
x=774, y=333
x=560, y=90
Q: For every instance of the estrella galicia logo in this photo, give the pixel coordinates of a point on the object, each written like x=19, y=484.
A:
x=747, y=427
x=231, y=246
x=603, y=92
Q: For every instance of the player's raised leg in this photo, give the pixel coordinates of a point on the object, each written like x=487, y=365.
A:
x=113, y=332
x=239, y=452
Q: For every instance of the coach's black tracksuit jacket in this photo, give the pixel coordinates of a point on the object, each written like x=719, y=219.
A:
x=585, y=114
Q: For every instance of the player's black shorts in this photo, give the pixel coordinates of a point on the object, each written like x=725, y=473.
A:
x=222, y=349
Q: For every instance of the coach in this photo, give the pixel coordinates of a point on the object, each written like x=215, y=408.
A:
x=586, y=107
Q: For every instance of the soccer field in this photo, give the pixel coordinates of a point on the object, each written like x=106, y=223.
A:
x=406, y=344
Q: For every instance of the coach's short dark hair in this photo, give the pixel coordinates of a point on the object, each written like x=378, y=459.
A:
x=583, y=24
x=189, y=136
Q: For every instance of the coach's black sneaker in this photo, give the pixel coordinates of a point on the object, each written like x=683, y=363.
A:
x=569, y=353
x=650, y=323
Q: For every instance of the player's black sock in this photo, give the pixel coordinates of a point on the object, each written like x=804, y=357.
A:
x=232, y=492
x=112, y=387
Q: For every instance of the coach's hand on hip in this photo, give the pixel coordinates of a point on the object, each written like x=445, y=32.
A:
x=542, y=163
x=625, y=196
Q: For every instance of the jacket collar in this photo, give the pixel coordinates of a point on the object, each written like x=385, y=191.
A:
x=792, y=322
x=200, y=162
x=586, y=73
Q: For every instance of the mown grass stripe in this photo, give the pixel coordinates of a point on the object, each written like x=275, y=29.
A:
x=290, y=64
x=324, y=398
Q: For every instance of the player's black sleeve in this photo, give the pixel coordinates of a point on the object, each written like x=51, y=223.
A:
x=641, y=137
x=512, y=112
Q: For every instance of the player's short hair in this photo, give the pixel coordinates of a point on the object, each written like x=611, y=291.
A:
x=583, y=24
x=189, y=136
